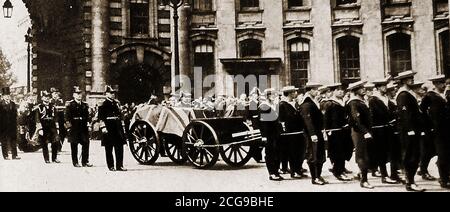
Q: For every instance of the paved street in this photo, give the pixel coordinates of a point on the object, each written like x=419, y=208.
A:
x=32, y=174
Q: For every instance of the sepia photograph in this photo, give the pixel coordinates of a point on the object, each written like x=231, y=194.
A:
x=232, y=96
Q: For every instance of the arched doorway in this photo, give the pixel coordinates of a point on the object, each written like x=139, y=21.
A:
x=139, y=75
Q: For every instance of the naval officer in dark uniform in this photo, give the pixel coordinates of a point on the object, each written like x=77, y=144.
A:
x=383, y=132
x=409, y=124
x=268, y=122
x=315, y=143
x=77, y=119
x=434, y=104
x=46, y=124
x=113, y=137
x=340, y=145
x=291, y=131
x=361, y=123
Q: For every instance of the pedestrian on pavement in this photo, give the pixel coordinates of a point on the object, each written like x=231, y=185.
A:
x=409, y=128
x=361, y=123
x=8, y=130
x=77, y=119
x=268, y=119
x=383, y=132
x=313, y=119
x=340, y=145
x=434, y=104
x=113, y=133
x=292, y=140
x=46, y=124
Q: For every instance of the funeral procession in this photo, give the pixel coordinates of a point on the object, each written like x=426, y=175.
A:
x=225, y=95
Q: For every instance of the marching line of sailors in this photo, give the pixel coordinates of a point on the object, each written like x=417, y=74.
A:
x=54, y=121
x=404, y=127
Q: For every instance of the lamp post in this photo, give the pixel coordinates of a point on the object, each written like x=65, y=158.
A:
x=7, y=9
x=29, y=40
x=175, y=5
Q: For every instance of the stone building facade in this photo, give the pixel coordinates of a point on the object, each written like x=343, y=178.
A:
x=130, y=42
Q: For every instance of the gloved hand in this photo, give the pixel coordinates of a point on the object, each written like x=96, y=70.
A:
x=104, y=130
x=41, y=132
x=314, y=139
x=368, y=136
x=411, y=133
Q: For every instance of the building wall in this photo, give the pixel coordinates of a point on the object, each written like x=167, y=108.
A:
x=99, y=34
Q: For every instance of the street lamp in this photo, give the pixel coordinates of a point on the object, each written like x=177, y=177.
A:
x=7, y=9
x=175, y=5
x=29, y=40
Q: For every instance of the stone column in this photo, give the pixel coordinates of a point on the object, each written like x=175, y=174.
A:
x=274, y=42
x=100, y=45
x=226, y=41
x=424, y=40
x=183, y=30
x=372, y=54
x=322, y=44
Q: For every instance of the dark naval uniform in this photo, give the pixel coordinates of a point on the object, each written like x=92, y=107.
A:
x=268, y=124
x=395, y=148
x=47, y=119
x=77, y=119
x=109, y=113
x=315, y=151
x=361, y=123
x=59, y=110
x=8, y=130
x=409, y=124
x=382, y=131
x=435, y=106
x=340, y=145
x=292, y=136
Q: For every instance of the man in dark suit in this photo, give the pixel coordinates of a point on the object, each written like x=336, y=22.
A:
x=313, y=120
x=46, y=124
x=434, y=104
x=77, y=119
x=409, y=128
x=340, y=146
x=361, y=123
x=292, y=131
x=8, y=118
x=113, y=138
x=383, y=132
x=268, y=122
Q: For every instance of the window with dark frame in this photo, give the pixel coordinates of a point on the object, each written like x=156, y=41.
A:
x=295, y=3
x=139, y=17
x=203, y=5
x=250, y=48
x=400, y=53
x=299, y=55
x=204, y=58
x=345, y=2
x=349, y=59
x=248, y=4
x=391, y=2
x=445, y=53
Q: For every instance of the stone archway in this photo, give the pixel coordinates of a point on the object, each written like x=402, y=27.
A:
x=140, y=71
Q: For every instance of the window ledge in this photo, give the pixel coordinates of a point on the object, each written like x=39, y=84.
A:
x=200, y=12
x=298, y=9
x=399, y=4
x=251, y=10
x=347, y=6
